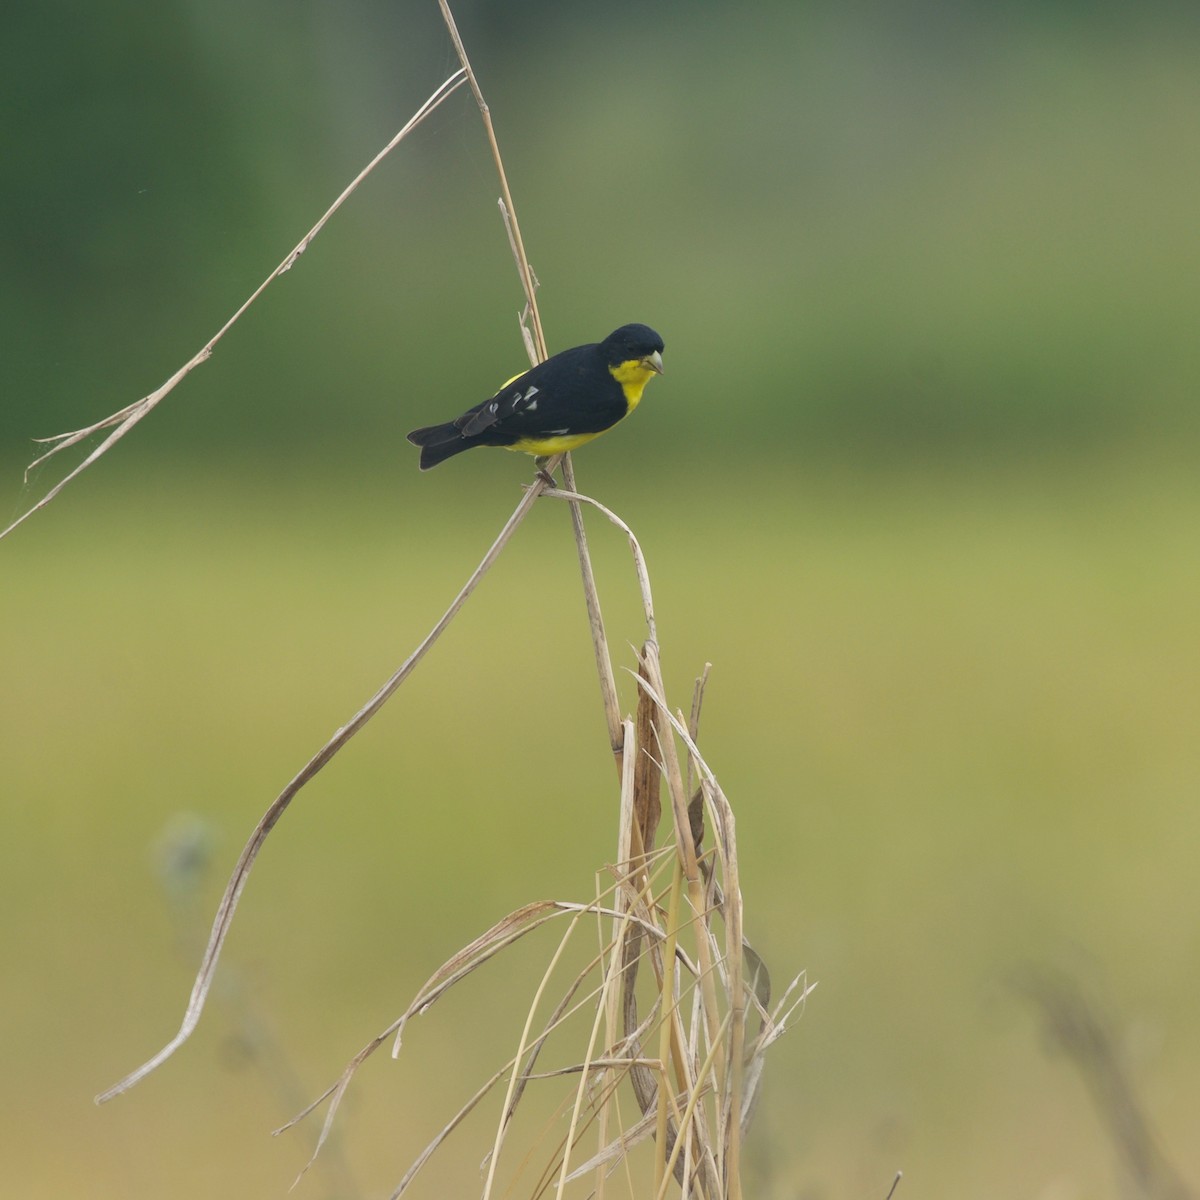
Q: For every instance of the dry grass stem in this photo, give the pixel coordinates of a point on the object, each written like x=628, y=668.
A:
x=604, y=667
x=528, y=282
x=124, y=420
x=537, y=353
x=589, y=1064
x=494, y=1158
x=241, y=871
x=446, y=1131
x=639, y=559
x=454, y=970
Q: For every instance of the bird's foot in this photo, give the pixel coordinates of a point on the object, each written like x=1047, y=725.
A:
x=542, y=474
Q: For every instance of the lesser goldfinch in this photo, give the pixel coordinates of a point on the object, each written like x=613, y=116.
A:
x=569, y=399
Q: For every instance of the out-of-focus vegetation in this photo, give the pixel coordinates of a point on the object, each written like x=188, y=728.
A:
x=920, y=482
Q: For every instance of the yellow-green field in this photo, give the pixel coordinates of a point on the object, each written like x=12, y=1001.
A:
x=955, y=709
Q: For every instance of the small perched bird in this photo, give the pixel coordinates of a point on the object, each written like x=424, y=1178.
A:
x=569, y=399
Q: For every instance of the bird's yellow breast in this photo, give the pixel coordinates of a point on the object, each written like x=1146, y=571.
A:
x=632, y=375
x=551, y=445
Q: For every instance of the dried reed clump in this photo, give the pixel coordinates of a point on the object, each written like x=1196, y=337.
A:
x=680, y=1002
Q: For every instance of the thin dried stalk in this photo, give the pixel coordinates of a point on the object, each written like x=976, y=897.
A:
x=446, y=1131
x=241, y=871
x=494, y=1157
x=562, y=1012
x=527, y=278
x=667, y=1028
x=618, y=1149
x=609, y=988
x=625, y=820
x=723, y=814
x=639, y=559
x=621, y=1063
x=687, y=850
x=123, y=421
x=674, y=1052
x=694, y=727
x=694, y=1096
x=604, y=669
x=453, y=971
x=498, y=938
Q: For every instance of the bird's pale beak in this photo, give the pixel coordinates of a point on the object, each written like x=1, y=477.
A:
x=654, y=362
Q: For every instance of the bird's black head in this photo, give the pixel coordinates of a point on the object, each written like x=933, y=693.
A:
x=630, y=342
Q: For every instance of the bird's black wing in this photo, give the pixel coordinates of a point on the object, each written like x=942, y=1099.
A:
x=510, y=401
x=570, y=392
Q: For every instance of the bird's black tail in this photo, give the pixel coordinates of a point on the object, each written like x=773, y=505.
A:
x=438, y=443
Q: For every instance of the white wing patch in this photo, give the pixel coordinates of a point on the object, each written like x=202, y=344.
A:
x=498, y=409
x=519, y=402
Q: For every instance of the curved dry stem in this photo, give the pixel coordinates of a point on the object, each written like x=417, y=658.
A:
x=735, y=1114
x=528, y=283
x=460, y=965
x=419, y=1162
x=457, y=968
x=604, y=667
x=535, y=343
x=639, y=559
x=245, y=863
x=526, y=1032
x=123, y=421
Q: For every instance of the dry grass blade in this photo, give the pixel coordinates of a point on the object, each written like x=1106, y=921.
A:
x=609, y=988
x=623, y=919
x=647, y=778
x=639, y=559
x=696, y=1093
x=270, y=818
x=636, y=1133
x=654, y=1096
x=774, y=1026
x=528, y=1052
x=537, y=353
x=123, y=421
x=563, y=1009
x=528, y=283
x=652, y=681
x=445, y=1132
x=694, y=730
x=730, y=1083
x=502, y=1129
x=604, y=667
x=456, y=968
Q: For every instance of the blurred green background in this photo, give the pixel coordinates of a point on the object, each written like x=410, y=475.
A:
x=920, y=482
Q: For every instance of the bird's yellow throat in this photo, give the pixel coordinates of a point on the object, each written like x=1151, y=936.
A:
x=632, y=375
